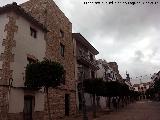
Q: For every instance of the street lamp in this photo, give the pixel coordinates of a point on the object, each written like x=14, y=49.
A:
x=81, y=70
x=10, y=83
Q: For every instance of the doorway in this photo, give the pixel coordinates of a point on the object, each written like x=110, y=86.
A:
x=28, y=107
x=67, y=105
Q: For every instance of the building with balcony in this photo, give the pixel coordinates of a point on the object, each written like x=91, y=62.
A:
x=85, y=64
x=114, y=66
x=105, y=71
x=24, y=39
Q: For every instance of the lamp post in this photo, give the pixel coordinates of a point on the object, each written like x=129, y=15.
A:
x=10, y=83
x=82, y=93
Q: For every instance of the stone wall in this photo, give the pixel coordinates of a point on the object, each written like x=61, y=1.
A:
x=3, y=102
x=57, y=104
x=47, y=12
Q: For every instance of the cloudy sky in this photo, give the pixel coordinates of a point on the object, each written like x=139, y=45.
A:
x=127, y=34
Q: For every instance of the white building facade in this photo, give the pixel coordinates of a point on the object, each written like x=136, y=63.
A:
x=22, y=39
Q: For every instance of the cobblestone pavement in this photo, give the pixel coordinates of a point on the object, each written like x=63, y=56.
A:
x=142, y=110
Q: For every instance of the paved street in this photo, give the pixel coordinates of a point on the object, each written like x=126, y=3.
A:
x=143, y=110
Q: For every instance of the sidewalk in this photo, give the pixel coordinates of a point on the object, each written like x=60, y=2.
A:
x=142, y=110
x=90, y=114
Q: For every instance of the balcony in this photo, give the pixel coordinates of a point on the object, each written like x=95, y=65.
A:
x=85, y=60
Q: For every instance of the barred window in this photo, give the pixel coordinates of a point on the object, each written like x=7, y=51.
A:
x=33, y=32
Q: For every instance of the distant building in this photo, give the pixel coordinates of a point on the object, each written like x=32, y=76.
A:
x=114, y=66
x=142, y=87
x=109, y=72
x=105, y=71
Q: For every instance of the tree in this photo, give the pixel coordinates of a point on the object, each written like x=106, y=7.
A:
x=150, y=93
x=94, y=87
x=157, y=85
x=44, y=74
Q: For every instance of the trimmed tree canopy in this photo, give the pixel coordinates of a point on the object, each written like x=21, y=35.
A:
x=157, y=85
x=101, y=88
x=94, y=86
x=44, y=74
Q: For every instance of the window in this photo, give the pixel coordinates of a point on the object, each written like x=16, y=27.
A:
x=61, y=33
x=28, y=107
x=67, y=104
x=62, y=47
x=91, y=57
x=33, y=32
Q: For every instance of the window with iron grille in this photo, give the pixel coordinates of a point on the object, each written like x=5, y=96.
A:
x=61, y=33
x=33, y=32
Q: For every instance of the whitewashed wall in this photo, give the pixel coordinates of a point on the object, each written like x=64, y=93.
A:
x=25, y=44
x=88, y=99
x=16, y=101
x=102, y=102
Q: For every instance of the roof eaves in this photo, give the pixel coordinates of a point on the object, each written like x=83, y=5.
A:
x=78, y=35
x=16, y=8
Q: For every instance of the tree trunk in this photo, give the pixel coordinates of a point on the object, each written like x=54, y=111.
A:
x=94, y=106
x=109, y=102
x=48, y=105
x=106, y=99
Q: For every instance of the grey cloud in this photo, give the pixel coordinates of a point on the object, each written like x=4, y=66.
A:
x=138, y=56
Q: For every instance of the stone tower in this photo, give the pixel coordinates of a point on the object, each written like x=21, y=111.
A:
x=60, y=34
